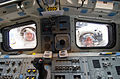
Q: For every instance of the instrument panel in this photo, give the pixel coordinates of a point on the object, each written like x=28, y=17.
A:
x=72, y=67
x=19, y=68
x=58, y=33
x=86, y=68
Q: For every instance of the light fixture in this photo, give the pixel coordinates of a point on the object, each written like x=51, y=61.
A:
x=50, y=3
x=80, y=1
x=73, y=1
x=76, y=2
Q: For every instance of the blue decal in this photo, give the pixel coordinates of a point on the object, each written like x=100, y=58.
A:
x=65, y=9
x=21, y=76
x=117, y=54
x=84, y=11
x=22, y=13
x=112, y=14
x=61, y=25
x=6, y=56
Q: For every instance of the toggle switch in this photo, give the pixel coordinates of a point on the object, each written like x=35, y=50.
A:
x=34, y=70
x=27, y=77
x=28, y=70
x=33, y=78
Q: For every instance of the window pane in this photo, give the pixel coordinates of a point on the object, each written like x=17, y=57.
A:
x=91, y=34
x=23, y=37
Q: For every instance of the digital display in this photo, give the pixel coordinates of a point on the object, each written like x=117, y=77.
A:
x=23, y=37
x=118, y=70
x=96, y=64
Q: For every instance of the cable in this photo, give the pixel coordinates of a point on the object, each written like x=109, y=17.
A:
x=59, y=5
x=39, y=4
x=19, y=4
x=44, y=3
x=81, y=4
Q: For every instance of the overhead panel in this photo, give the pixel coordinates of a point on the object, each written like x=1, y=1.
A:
x=104, y=5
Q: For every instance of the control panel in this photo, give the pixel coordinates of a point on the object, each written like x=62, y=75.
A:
x=72, y=67
x=104, y=67
x=93, y=67
x=18, y=68
x=55, y=32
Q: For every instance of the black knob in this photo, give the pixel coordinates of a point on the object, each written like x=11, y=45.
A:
x=62, y=42
x=8, y=70
x=20, y=63
x=38, y=63
x=99, y=77
x=13, y=63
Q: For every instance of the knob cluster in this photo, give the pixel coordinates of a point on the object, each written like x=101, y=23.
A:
x=74, y=68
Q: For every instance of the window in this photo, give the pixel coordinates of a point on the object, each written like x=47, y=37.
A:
x=3, y=2
x=20, y=36
x=93, y=34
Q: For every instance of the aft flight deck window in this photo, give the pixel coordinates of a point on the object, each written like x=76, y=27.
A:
x=91, y=34
x=21, y=36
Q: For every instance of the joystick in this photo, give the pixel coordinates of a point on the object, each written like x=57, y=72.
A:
x=38, y=63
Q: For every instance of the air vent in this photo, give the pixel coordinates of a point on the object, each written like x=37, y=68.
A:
x=20, y=18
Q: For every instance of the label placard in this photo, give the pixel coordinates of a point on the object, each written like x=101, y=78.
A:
x=52, y=8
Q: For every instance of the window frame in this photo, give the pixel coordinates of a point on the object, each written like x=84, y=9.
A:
x=5, y=33
x=111, y=34
x=8, y=2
